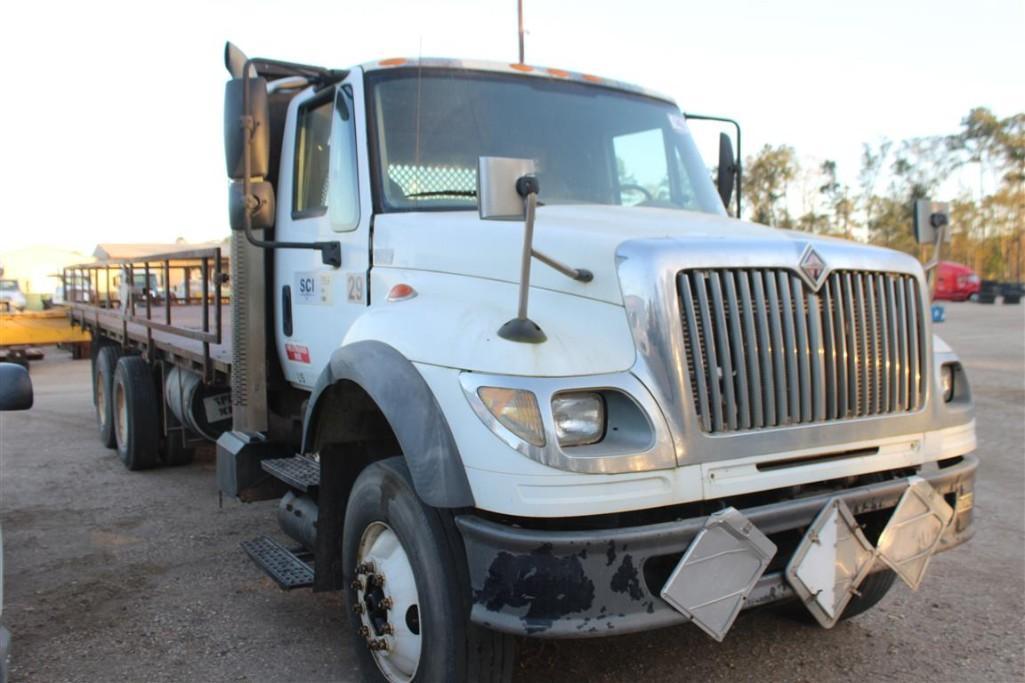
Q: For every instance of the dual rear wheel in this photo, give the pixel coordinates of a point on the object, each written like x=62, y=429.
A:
x=128, y=411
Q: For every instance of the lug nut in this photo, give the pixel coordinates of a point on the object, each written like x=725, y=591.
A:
x=365, y=568
x=387, y=603
x=358, y=585
x=358, y=608
x=387, y=630
x=378, y=644
x=364, y=632
x=377, y=579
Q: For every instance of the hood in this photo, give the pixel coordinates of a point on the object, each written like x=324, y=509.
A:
x=458, y=242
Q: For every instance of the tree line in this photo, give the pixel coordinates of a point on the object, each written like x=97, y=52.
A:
x=987, y=222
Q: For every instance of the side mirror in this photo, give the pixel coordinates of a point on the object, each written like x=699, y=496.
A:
x=260, y=205
x=727, y=172
x=931, y=218
x=15, y=387
x=235, y=135
x=497, y=198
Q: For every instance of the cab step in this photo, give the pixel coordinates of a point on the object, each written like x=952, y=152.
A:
x=302, y=474
x=288, y=569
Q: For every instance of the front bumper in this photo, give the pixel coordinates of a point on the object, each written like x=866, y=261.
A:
x=573, y=584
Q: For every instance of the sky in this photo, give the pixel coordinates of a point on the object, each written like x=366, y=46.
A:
x=112, y=112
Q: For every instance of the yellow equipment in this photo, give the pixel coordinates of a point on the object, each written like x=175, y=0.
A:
x=19, y=332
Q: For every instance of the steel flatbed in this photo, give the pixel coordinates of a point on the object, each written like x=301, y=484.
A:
x=192, y=330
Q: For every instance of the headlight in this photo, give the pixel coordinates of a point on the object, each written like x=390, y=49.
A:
x=579, y=418
x=516, y=410
x=947, y=377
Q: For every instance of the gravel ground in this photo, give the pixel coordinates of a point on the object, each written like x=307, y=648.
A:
x=120, y=576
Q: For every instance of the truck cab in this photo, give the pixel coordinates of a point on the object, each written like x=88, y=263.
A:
x=510, y=368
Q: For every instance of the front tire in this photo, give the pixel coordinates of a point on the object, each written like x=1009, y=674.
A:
x=406, y=588
x=136, y=416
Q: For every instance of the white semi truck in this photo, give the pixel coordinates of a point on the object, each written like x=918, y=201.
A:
x=511, y=369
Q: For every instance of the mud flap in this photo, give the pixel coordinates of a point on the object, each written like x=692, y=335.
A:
x=718, y=570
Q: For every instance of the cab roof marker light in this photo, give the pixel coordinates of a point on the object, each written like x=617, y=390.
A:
x=394, y=61
x=526, y=68
x=558, y=73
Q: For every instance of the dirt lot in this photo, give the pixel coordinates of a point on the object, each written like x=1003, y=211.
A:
x=120, y=576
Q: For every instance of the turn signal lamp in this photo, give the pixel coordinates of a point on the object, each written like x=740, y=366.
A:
x=516, y=410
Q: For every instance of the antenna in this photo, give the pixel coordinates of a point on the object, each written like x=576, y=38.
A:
x=419, y=82
x=519, y=11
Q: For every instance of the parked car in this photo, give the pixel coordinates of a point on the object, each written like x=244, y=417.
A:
x=11, y=296
x=955, y=282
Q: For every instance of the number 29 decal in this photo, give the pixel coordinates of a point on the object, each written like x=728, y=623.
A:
x=354, y=288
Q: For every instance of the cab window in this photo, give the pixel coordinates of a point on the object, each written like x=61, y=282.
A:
x=309, y=195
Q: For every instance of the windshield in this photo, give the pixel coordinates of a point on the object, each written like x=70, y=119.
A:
x=592, y=145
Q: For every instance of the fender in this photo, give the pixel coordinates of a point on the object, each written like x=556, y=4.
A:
x=410, y=409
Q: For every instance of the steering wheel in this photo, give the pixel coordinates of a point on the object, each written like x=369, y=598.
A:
x=631, y=186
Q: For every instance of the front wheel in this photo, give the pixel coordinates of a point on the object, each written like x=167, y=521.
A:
x=407, y=590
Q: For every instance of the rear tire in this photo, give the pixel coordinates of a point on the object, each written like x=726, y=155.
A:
x=434, y=606
x=136, y=413
x=103, y=392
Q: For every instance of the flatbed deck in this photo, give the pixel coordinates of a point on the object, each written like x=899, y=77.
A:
x=191, y=329
x=168, y=344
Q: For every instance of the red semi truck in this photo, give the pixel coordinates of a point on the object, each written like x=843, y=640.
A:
x=955, y=282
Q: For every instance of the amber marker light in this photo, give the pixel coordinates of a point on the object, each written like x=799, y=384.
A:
x=401, y=292
x=394, y=61
x=521, y=67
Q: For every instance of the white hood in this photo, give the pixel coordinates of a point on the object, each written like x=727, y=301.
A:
x=458, y=242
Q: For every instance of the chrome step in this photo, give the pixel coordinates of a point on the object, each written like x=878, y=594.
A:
x=287, y=568
x=302, y=474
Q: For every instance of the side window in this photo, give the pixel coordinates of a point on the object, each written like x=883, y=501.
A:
x=309, y=195
x=343, y=203
x=641, y=169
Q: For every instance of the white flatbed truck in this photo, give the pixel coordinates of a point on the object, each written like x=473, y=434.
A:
x=511, y=369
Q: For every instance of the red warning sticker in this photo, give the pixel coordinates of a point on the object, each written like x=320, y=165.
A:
x=297, y=353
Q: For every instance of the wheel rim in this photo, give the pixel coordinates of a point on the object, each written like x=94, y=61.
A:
x=387, y=603
x=120, y=415
x=101, y=402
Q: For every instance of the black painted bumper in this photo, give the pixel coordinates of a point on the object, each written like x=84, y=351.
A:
x=573, y=584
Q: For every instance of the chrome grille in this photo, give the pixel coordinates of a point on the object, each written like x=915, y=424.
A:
x=763, y=350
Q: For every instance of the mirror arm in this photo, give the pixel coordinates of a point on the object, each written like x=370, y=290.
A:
x=521, y=328
x=578, y=274
x=330, y=252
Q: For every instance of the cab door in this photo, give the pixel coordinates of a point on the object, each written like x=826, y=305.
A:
x=323, y=195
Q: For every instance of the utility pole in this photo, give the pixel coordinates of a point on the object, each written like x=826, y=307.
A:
x=519, y=11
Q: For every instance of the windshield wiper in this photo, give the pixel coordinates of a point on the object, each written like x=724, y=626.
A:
x=444, y=193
